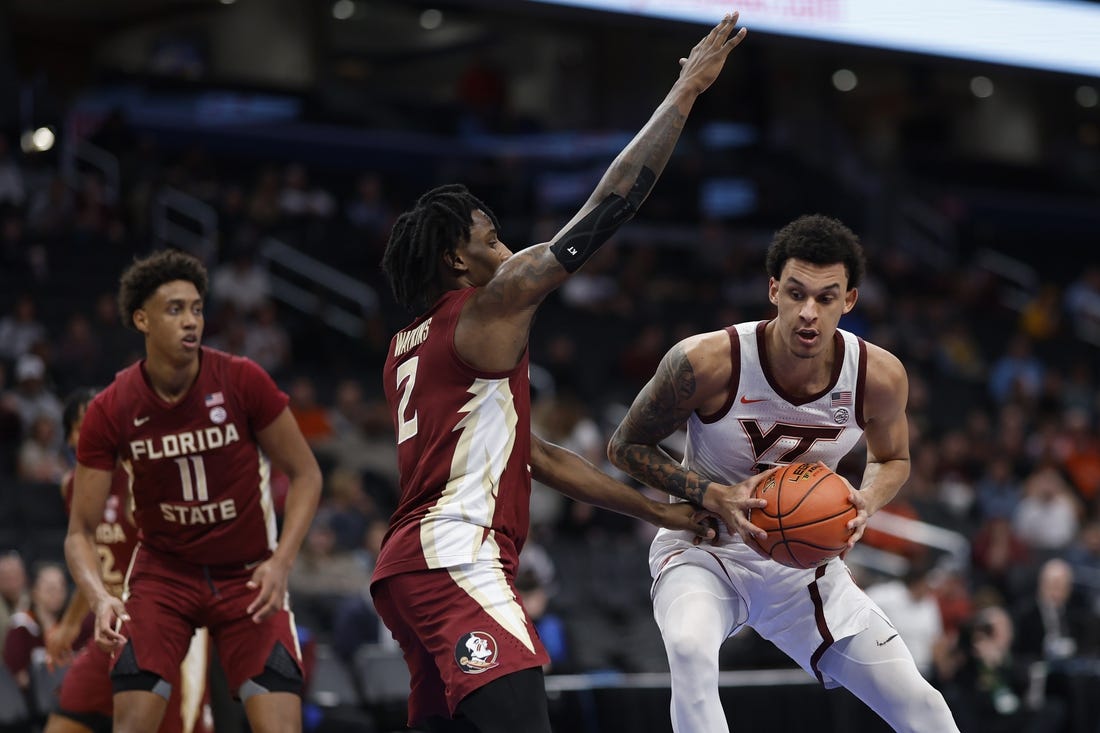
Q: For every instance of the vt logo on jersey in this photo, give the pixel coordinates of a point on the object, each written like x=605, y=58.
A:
x=476, y=652
x=784, y=442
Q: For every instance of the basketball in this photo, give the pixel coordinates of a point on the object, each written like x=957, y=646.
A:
x=806, y=515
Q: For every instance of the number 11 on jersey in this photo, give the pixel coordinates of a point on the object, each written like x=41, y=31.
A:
x=193, y=488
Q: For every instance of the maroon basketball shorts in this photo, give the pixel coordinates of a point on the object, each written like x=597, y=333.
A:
x=86, y=694
x=459, y=628
x=169, y=598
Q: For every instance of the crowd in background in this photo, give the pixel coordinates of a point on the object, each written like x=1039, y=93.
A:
x=1004, y=403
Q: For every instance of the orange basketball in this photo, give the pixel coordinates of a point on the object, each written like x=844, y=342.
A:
x=806, y=515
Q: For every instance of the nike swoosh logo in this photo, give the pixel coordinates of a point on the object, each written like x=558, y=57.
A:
x=746, y=401
x=139, y=421
x=887, y=640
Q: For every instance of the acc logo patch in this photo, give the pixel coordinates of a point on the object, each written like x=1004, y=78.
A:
x=476, y=652
x=840, y=416
x=218, y=415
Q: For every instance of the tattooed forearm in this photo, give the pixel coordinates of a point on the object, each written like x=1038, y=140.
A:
x=660, y=408
x=525, y=279
x=651, y=148
x=653, y=467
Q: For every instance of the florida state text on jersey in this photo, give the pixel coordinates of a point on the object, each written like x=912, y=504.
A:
x=200, y=483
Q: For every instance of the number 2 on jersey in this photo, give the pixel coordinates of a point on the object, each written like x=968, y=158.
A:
x=107, y=570
x=406, y=375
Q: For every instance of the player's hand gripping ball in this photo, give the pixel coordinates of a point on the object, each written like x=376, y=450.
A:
x=806, y=517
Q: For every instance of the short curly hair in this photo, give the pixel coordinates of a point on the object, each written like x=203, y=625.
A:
x=142, y=278
x=819, y=240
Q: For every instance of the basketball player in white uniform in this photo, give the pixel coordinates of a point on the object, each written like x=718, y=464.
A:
x=754, y=396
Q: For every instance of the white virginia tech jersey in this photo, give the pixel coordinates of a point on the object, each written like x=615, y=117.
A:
x=761, y=426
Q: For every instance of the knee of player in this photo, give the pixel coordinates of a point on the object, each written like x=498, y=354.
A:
x=928, y=712
x=685, y=647
x=281, y=673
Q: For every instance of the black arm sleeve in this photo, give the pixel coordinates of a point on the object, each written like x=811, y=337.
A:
x=575, y=246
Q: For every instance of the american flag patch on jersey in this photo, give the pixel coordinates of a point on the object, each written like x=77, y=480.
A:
x=841, y=399
x=217, y=398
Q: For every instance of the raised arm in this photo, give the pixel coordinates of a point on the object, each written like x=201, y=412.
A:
x=693, y=375
x=570, y=474
x=521, y=283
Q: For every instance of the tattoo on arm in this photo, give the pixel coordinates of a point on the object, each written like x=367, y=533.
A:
x=661, y=407
x=650, y=148
x=529, y=278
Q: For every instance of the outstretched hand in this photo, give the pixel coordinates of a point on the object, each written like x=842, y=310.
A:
x=682, y=515
x=733, y=504
x=706, y=60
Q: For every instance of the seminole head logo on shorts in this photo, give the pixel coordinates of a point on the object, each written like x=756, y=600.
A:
x=476, y=652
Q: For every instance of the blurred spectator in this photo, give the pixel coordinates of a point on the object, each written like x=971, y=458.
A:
x=958, y=353
x=999, y=556
x=312, y=417
x=51, y=209
x=120, y=346
x=20, y=330
x=323, y=577
x=300, y=199
x=1041, y=317
x=240, y=281
x=1082, y=302
x=356, y=622
x=998, y=490
x=362, y=439
x=14, y=596
x=79, y=354
x=1079, y=390
x=266, y=341
x=564, y=420
x=1078, y=452
x=1053, y=624
x=347, y=510
x=263, y=203
x=1049, y=513
x=40, y=460
x=536, y=584
x=368, y=212
x=97, y=221
x=912, y=608
x=29, y=627
x=1084, y=557
x=31, y=396
x=985, y=687
x=1016, y=374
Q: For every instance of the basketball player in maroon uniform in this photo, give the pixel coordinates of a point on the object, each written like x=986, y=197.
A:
x=457, y=383
x=197, y=430
x=85, y=704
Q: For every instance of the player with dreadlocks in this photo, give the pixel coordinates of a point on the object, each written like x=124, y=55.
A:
x=456, y=380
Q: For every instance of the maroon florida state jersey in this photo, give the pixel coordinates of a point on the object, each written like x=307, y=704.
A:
x=201, y=484
x=463, y=449
x=115, y=535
